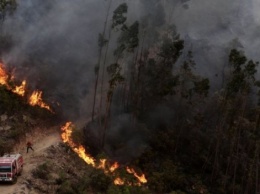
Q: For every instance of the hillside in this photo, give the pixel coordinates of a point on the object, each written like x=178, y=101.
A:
x=42, y=141
x=53, y=166
x=137, y=97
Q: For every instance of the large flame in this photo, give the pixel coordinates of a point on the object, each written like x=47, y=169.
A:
x=34, y=99
x=141, y=178
x=80, y=150
x=20, y=90
x=3, y=75
x=102, y=163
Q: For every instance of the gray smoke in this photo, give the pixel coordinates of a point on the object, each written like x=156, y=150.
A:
x=56, y=48
x=211, y=27
x=56, y=43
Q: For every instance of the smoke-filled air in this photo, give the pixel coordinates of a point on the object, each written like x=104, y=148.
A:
x=166, y=89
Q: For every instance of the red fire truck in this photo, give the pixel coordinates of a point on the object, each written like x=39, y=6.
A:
x=11, y=165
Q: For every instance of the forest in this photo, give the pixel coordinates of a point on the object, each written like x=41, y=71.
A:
x=146, y=88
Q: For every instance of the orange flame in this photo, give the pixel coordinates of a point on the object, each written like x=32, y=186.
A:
x=66, y=134
x=20, y=90
x=114, y=167
x=36, y=99
x=82, y=154
x=3, y=75
x=119, y=181
x=102, y=164
x=66, y=137
x=141, y=178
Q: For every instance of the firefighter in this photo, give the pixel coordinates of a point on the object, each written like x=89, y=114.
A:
x=29, y=146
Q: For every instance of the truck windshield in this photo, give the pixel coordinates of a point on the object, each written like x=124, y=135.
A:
x=5, y=169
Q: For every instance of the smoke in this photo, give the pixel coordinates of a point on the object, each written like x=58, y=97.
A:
x=56, y=44
x=211, y=27
x=56, y=48
x=56, y=41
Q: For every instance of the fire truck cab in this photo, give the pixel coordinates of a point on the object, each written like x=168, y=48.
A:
x=11, y=165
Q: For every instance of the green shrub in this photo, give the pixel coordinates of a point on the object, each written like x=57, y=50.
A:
x=15, y=134
x=169, y=178
x=115, y=189
x=10, y=102
x=65, y=188
x=177, y=192
x=42, y=171
x=100, y=181
x=61, y=178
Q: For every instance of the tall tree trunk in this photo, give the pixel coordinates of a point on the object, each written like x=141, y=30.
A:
x=103, y=71
x=240, y=116
x=107, y=115
x=257, y=169
x=99, y=60
x=138, y=64
x=236, y=161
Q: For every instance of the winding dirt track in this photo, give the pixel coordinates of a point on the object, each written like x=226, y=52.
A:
x=31, y=160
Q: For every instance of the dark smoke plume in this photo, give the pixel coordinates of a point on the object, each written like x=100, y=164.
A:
x=56, y=47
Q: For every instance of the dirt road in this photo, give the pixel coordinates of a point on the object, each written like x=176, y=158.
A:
x=31, y=160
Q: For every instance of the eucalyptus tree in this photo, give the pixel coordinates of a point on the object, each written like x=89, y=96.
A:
x=118, y=21
x=6, y=6
x=101, y=43
x=233, y=127
x=239, y=88
x=114, y=70
x=158, y=78
x=189, y=82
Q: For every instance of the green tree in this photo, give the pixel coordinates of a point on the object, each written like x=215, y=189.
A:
x=119, y=17
x=6, y=6
x=101, y=43
x=115, y=79
x=118, y=20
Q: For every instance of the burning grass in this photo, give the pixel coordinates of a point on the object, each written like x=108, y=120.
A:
x=34, y=99
x=103, y=163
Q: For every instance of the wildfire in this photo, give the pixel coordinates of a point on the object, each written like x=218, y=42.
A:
x=3, y=75
x=141, y=178
x=20, y=90
x=66, y=134
x=119, y=181
x=114, y=167
x=102, y=163
x=82, y=153
x=66, y=137
x=34, y=99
